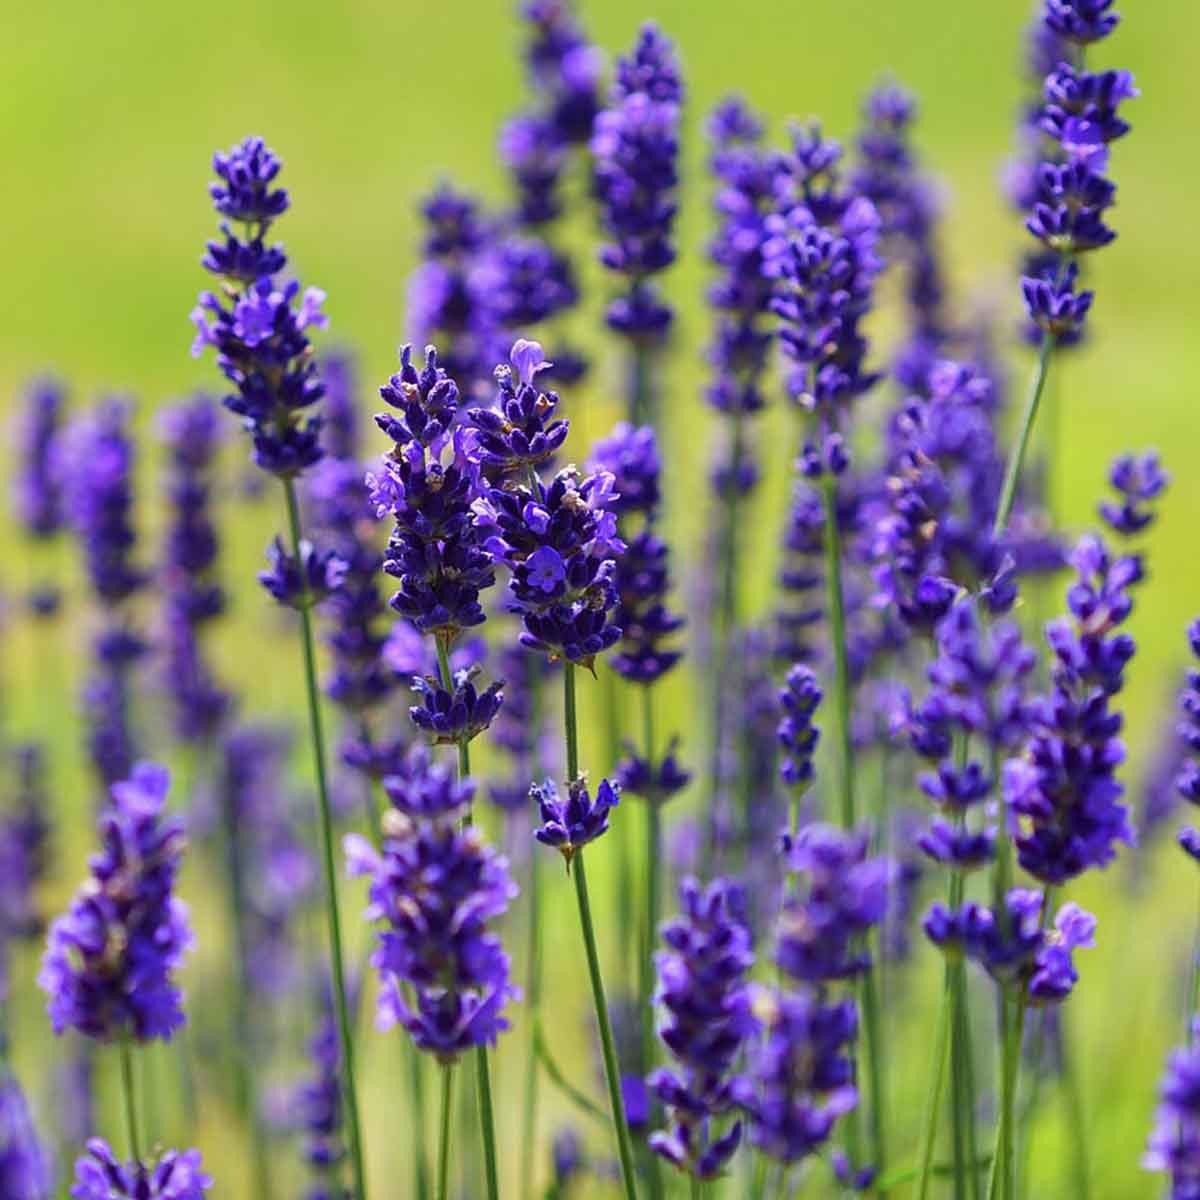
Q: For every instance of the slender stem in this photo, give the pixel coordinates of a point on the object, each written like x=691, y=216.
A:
x=933, y=1101
x=483, y=1083
x=612, y=1071
x=571, y=721
x=841, y=666
x=1001, y=1186
x=443, y=1167
x=130, y=1098
x=416, y=1085
x=695, y=1187
x=1016, y=459
x=245, y=1089
x=1073, y=1096
x=533, y=993
x=317, y=737
x=874, y=1057
x=759, y=1187
x=653, y=877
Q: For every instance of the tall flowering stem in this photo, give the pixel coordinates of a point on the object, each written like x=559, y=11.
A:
x=258, y=330
x=1066, y=195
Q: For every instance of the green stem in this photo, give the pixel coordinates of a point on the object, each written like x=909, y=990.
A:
x=483, y=1082
x=533, y=992
x=759, y=1187
x=560, y=1080
x=1001, y=1186
x=841, y=666
x=130, y=1098
x=933, y=1100
x=443, y=1168
x=653, y=903
x=612, y=1071
x=1016, y=459
x=571, y=722
x=416, y=1085
x=1073, y=1096
x=317, y=737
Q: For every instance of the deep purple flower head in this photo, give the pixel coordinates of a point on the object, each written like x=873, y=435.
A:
x=426, y=399
x=568, y=825
x=630, y=455
x=656, y=783
x=37, y=490
x=1020, y=948
x=109, y=963
x=25, y=1169
x=426, y=790
x=1174, y=1144
x=522, y=431
x=643, y=583
x=1080, y=21
x=521, y=281
x=304, y=582
x=319, y=1111
x=564, y=68
x=437, y=889
x=702, y=988
x=457, y=716
x=559, y=540
x=841, y=894
x=798, y=736
x=532, y=149
x=568, y=1154
x=651, y=68
x=1187, y=780
x=95, y=462
x=257, y=323
x=800, y=1079
x=175, y=1175
x=1137, y=480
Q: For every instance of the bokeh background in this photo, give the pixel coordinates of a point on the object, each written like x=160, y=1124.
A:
x=108, y=116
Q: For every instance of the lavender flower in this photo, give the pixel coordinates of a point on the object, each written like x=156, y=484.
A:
x=458, y=716
x=318, y=1105
x=1068, y=193
x=702, y=987
x=1137, y=480
x=564, y=68
x=568, y=825
x=798, y=735
x=37, y=489
x=25, y=1172
x=1174, y=1145
x=258, y=325
x=100, y=1175
x=642, y=583
x=339, y=372
x=438, y=939
x=1188, y=778
x=800, y=1078
x=301, y=583
x=1064, y=789
x=635, y=149
x=109, y=963
x=425, y=790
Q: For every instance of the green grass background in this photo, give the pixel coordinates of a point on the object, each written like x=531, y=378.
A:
x=108, y=115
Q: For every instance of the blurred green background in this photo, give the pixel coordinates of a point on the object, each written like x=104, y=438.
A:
x=108, y=116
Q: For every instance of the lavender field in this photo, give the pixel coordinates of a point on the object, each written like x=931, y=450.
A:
x=600, y=602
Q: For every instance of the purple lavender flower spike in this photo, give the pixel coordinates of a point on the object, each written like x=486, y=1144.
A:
x=25, y=1167
x=800, y=1078
x=1137, y=480
x=175, y=1175
x=702, y=986
x=37, y=489
x=109, y=963
x=257, y=325
x=311, y=580
x=454, y=717
x=437, y=940
x=1187, y=780
x=425, y=790
x=1174, y=1143
x=568, y=825
x=564, y=68
x=798, y=736
x=657, y=783
x=342, y=433
x=319, y=1111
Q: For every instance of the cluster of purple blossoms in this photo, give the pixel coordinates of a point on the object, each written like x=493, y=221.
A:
x=443, y=306
x=1063, y=790
x=822, y=257
x=109, y=963
x=642, y=579
x=558, y=540
x=1019, y=946
x=37, y=486
x=96, y=463
x=801, y=578
x=702, y=988
x=635, y=152
x=438, y=888
x=1068, y=193
x=978, y=698
x=1174, y=1144
x=303, y=580
x=887, y=174
x=458, y=715
x=564, y=69
x=1188, y=779
x=25, y=1168
x=798, y=735
x=1137, y=479
x=569, y=824
x=427, y=484
x=192, y=595
x=746, y=173
x=800, y=1077
x=318, y=1108
x=258, y=323
x=175, y=1175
